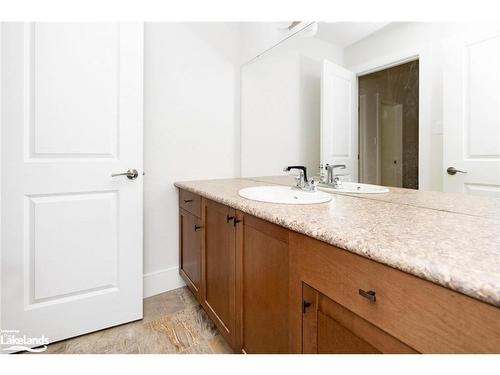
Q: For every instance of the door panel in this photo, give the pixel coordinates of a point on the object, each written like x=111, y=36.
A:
x=72, y=116
x=339, y=119
x=265, y=287
x=472, y=113
x=61, y=264
x=219, y=266
x=190, y=242
x=58, y=68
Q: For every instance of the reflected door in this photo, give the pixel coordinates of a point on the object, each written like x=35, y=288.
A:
x=72, y=234
x=339, y=119
x=471, y=127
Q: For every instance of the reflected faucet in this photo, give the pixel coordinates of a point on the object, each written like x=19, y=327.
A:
x=332, y=178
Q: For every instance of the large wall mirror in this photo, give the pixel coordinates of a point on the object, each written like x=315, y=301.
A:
x=410, y=105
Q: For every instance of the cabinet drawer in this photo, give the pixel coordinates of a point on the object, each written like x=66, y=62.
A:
x=427, y=317
x=191, y=202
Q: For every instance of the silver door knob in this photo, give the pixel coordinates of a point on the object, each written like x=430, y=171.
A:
x=453, y=171
x=131, y=174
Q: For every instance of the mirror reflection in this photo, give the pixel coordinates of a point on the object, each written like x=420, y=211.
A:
x=408, y=105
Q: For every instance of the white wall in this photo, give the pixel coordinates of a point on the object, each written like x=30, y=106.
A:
x=426, y=39
x=191, y=99
x=280, y=112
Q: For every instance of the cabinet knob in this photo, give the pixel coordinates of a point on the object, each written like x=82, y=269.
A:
x=229, y=218
x=188, y=200
x=370, y=295
x=236, y=221
x=196, y=227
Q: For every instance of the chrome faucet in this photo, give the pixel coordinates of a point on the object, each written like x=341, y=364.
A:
x=333, y=178
x=302, y=182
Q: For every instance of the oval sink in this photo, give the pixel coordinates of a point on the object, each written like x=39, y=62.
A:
x=283, y=195
x=355, y=188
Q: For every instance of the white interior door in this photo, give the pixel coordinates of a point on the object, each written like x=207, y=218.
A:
x=72, y=234
x=339, y=119
x=471, y=127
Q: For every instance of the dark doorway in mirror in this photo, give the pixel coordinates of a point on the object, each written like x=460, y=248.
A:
x=388, y=126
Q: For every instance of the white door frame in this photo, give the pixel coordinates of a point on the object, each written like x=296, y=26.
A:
x=424, y=55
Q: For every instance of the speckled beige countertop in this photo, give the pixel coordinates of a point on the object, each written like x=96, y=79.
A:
x=452, y=240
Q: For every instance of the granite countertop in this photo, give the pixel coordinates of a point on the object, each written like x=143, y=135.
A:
x=449, y=239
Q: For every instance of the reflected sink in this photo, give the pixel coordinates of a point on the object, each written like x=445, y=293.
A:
x=283, y=195
x=355, y=188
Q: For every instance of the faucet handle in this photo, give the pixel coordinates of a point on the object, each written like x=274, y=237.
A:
x=313, y=184
x=334, y=166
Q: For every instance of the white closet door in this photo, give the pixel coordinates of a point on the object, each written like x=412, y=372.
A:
x=339, y=119
x=471, y=128
x=72, y=234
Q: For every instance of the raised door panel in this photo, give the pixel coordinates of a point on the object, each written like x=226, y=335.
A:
x=265, y=287
x=190, y=250
x=64, y=248
x=219, y=266
x=69, y=121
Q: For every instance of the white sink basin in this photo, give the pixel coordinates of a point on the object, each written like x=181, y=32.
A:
x=284, y=195
x=356, y=188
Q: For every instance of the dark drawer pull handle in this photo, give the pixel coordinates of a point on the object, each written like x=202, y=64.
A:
x=236, y=221
x=196, y=227
x=188, y=200
x=368, y=295
x=229, y=218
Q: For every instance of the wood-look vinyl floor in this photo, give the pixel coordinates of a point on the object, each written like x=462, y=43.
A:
x=173, y=323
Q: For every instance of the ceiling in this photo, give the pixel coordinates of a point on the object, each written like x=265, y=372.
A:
x=344, y=34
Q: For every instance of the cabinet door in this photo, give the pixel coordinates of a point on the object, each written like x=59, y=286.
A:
x=265, y=287
x=330, y=328
x=190, y=250
x=218, y=267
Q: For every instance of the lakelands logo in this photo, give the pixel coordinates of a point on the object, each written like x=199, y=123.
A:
x=12, y=341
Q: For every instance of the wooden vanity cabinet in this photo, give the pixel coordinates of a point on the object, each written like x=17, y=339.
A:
x=330, y=328
x=242, y=281
x=271, y=290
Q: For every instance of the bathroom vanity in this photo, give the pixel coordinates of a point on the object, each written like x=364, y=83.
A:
x=400, y=272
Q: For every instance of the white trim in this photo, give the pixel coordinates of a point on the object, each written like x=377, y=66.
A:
x=424, y=55
x=162, y=281
x=387, y=61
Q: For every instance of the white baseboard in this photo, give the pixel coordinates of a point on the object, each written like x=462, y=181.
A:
x=162, y=281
